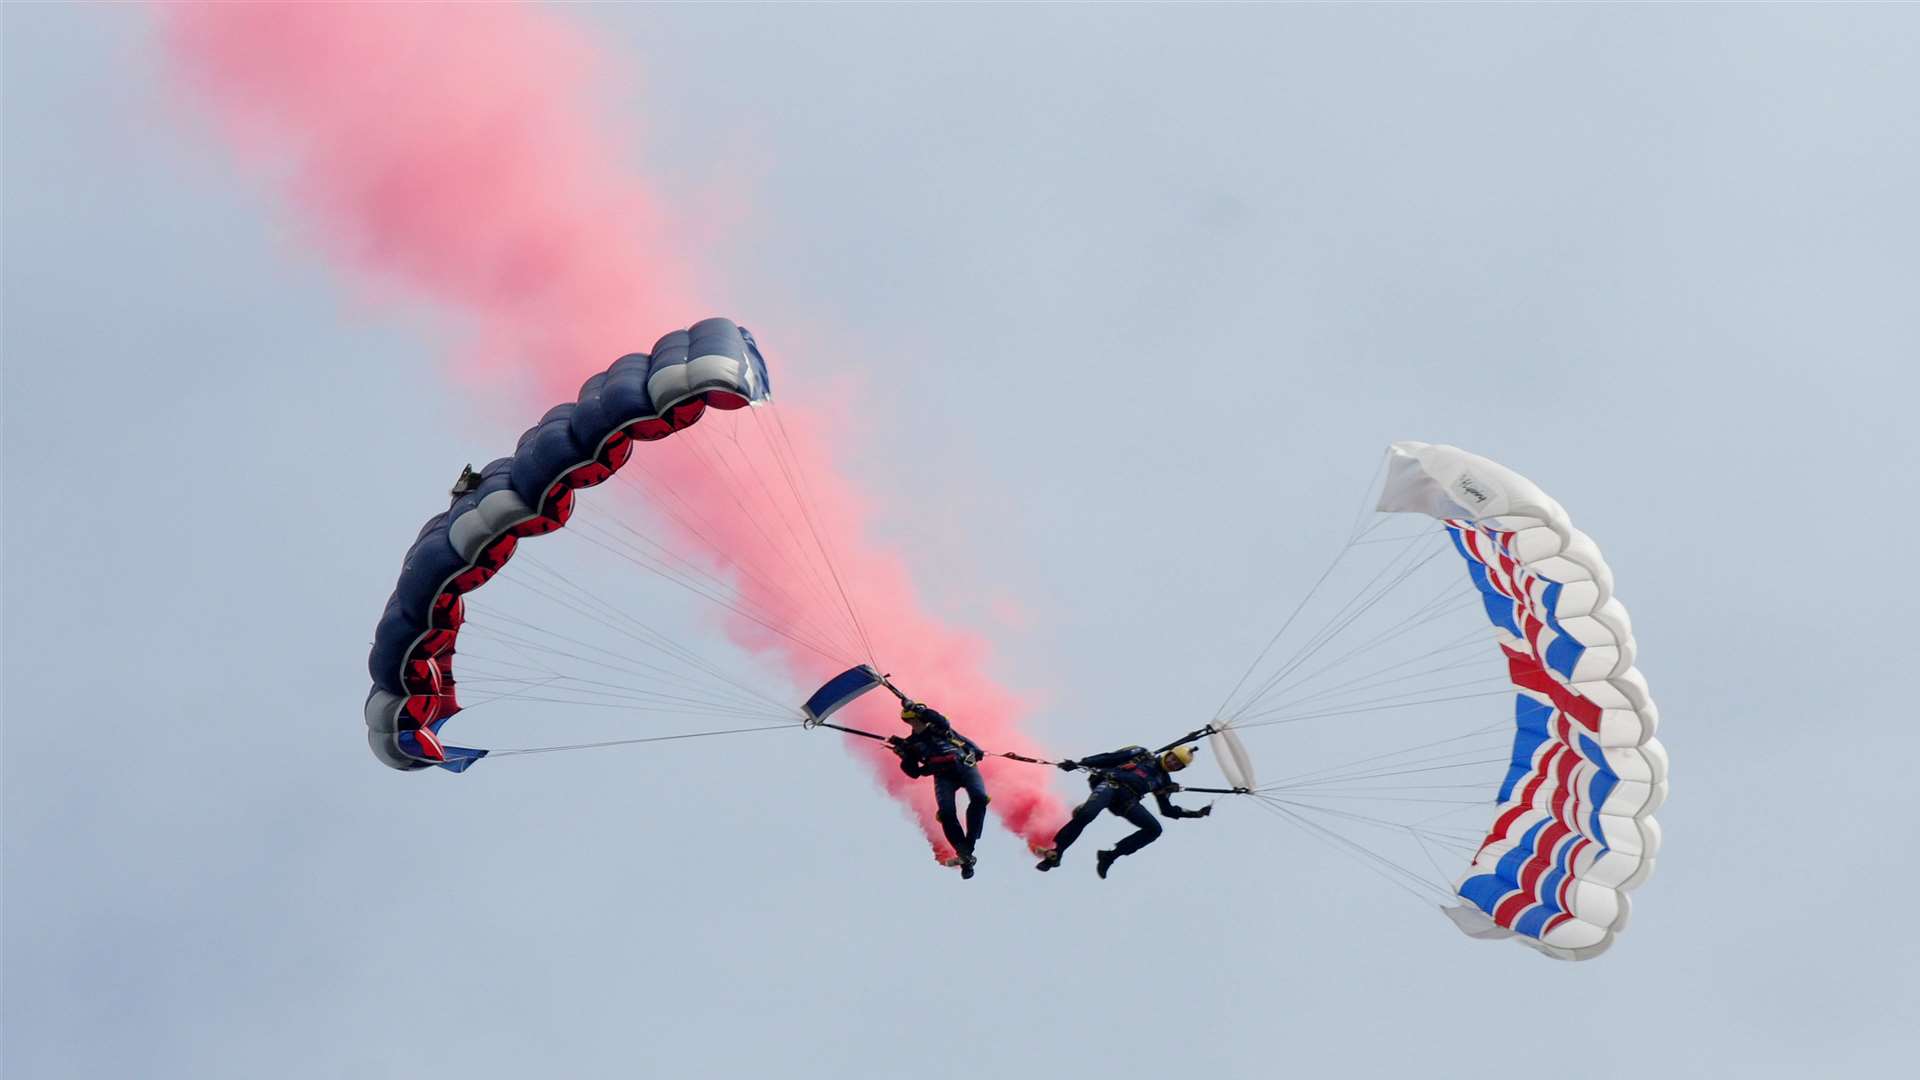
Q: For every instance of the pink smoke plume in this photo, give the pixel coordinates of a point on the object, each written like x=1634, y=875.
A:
x=452, y=154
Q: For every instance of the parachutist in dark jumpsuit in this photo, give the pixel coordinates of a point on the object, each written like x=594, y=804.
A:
x=935, y=749
x=1120, y=780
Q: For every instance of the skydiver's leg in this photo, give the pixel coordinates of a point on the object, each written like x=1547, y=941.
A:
x=1148, y=829
x=943, y=788
x=976, y=806
x=1101, y=798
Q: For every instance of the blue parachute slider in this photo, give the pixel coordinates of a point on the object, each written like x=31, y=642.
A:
x=840, y=691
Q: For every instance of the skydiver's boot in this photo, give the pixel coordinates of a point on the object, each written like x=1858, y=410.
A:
x=1104, y=862
x=1049, y=859
x=966, y=866
x=953, y=860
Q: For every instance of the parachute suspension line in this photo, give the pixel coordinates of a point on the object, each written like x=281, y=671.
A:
x=529, y=750
x=638, y=700
x=1474, y=639
x=814, y=647
x=1422, y=843
x=796, y=480
x=1372, y=679
x=1393, y=539
x=1469, y=843
x=529, y=687
x=646, y=700
x=1366, y=495
x=620, y=707
x=595, y=691
x=1337, y=772
x=627, y=698
x=1406, y=880
x=1439, y=763
x=793, y=557
x=532, y=647
x=592, y=687
x=623, y=622
x=1303, y=793
x=698, y=581
x=1220, y=713
x=1425, y=696
x=788, y=459
x=769, y=565
x=1342, y=620
x=651, y=489
x=709, y=579
x=626, y=624
x=708, y=700
x=1380, y=704
x=1423, y=840
x=1327, y=637
x=786, y=519
x=1281, y=672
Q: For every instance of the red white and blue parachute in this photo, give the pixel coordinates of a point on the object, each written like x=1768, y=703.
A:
x=641, y=398
x=1392, y=756
x=1574, y=831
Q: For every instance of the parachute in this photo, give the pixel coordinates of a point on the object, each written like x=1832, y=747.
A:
x=1572, y=775
x=723, y=514
x=640, y=398
x=1575, y=829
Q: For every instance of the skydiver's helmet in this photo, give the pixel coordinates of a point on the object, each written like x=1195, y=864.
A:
x=1177, y=758
x=919, y=714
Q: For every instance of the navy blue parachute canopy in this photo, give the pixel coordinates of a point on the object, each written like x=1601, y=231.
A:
x=641, y=397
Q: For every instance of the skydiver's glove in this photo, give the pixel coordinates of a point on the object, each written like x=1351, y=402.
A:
x=1205, y=811
x=1066, y=766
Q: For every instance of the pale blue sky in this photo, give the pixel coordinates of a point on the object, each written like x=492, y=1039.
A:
x=1140, y=293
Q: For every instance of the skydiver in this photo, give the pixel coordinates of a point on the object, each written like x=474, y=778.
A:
x=1119, y=781
x=935, y=749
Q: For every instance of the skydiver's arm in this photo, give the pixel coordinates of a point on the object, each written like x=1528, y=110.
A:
x=910, y=762
x=1168, y=809
x=1108, y=761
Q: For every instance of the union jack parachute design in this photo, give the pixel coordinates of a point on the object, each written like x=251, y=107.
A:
x=1574, y=831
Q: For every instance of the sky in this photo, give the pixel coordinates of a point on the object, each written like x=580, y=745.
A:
x=1121, y=305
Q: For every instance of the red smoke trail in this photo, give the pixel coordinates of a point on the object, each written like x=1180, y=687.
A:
x=451, y=154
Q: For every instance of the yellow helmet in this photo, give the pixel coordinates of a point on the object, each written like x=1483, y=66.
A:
x=1177, y=758
x=912, y=710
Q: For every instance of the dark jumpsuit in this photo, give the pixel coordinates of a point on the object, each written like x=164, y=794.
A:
x=1119, y=781
x=948, y=756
